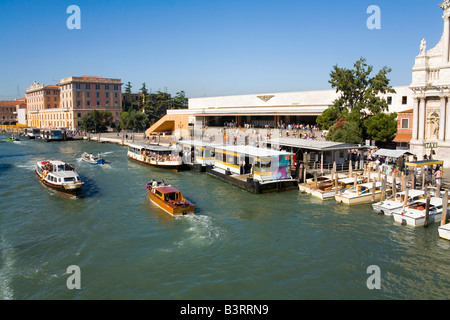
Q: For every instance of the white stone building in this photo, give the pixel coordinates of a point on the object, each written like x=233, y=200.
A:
x=431, y=92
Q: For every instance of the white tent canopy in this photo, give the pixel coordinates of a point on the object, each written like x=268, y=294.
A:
x=392, y=153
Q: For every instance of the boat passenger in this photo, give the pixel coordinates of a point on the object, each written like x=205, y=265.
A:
x=154, y=183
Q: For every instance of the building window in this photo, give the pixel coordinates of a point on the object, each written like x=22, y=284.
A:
x=116, y=95
x=88, y=87
x=97, y=87
x=98, y=94
x=98, y=103
x=78, y=94
x=88, y=103
x=404, y=100
x=405, y=123
x=79, y=115
x=88, y=94
x=106, y=87
x=116, y=87
x=389, y=100
x=107, y=94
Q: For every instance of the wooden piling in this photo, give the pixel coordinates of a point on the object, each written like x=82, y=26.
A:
x=444, y=208
x=356, y=182
x=383, y=188
x=394, y=184
x=336, y=184
x=374, y=186
x=423, y=179
x=315, y=179
x=403, y=182
x=350, y=168
x=405, y=203
x=379, y=174
x=427, y=211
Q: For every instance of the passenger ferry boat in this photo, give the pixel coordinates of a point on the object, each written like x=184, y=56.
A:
x=169, y=199
x=155, y=155
x=414, y=215
x=59, y=176
x=92, y=159
x=396, y=202
x=361, y=194
x=328, y=191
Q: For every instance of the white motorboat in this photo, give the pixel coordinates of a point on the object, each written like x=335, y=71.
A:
x=396, y=202
x=363, y=193
x=414, y=215
x=328, y=191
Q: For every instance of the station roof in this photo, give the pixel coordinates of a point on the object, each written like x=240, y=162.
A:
x=253, y=151
x=315, y=144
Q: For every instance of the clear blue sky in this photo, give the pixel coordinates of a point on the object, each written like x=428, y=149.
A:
x=210, y=47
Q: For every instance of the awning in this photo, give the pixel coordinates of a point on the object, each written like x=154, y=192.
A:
x=392, y=153
x=403, y=138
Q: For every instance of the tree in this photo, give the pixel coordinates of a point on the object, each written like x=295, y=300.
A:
x=134, y=120
x=96, y=121
x=382, y=127
x=359, y=99
x=180, y=101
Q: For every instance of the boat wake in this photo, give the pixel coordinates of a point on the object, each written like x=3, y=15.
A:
x=200, y=231
x=28, y=165
x=6, y=267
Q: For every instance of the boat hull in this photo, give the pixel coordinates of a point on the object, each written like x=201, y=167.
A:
x=172, y=165
x=416, y=221
x=169, y=207
x=358, y=199
x=70, y=191
x=387, y=210
x=444, y=232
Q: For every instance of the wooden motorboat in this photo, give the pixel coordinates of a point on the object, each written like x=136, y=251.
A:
x=311, y=184
x=169, y=199
x=59, y=176
x=155, y=155
x=444, y=231
x=328, y=191
x=92, y=159
x=363, y=193
x=414, y=215
x=396, y=202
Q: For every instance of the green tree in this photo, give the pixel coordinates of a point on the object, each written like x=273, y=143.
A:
x=97, y=121
x=359, y=99
x=127, y=103
x=180, y=101
x=382, y=127
x=134, y=120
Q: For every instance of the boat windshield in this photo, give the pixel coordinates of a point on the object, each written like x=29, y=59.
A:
x=171, y=196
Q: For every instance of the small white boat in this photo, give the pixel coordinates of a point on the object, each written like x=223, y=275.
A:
x=309, y=185
x=59, y=176
x=361, y=194
x=396, y=202
x=414, y=215
x=444, y=231
x=92, y=159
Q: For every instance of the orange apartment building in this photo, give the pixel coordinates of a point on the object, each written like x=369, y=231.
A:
x=404, y=129
x=63, y=105
x=9, y=111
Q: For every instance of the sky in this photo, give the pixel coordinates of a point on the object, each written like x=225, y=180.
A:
x=210, y=48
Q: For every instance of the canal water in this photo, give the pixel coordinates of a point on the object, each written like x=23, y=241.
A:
x=281, y=246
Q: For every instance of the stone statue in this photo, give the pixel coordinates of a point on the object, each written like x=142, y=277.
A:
x=423, y=47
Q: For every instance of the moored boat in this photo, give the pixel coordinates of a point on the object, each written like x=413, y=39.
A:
x=444, y=231
x=397, y=202
x=160, y=156
x=328, y=191
x=311, y=184
x=59, y=176
x=169, y=199
x=363, y=193
x=414, y=215
x=92, y=159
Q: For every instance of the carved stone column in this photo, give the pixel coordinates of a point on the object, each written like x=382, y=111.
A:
x=442, y=119
x=415, y=123
x=422, y=123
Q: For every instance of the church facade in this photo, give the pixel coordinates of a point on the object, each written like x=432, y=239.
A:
x=431, y=96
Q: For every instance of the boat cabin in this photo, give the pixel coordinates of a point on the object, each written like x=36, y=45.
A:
x=168, y=194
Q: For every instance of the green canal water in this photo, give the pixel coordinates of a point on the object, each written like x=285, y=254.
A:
x=281, y=246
